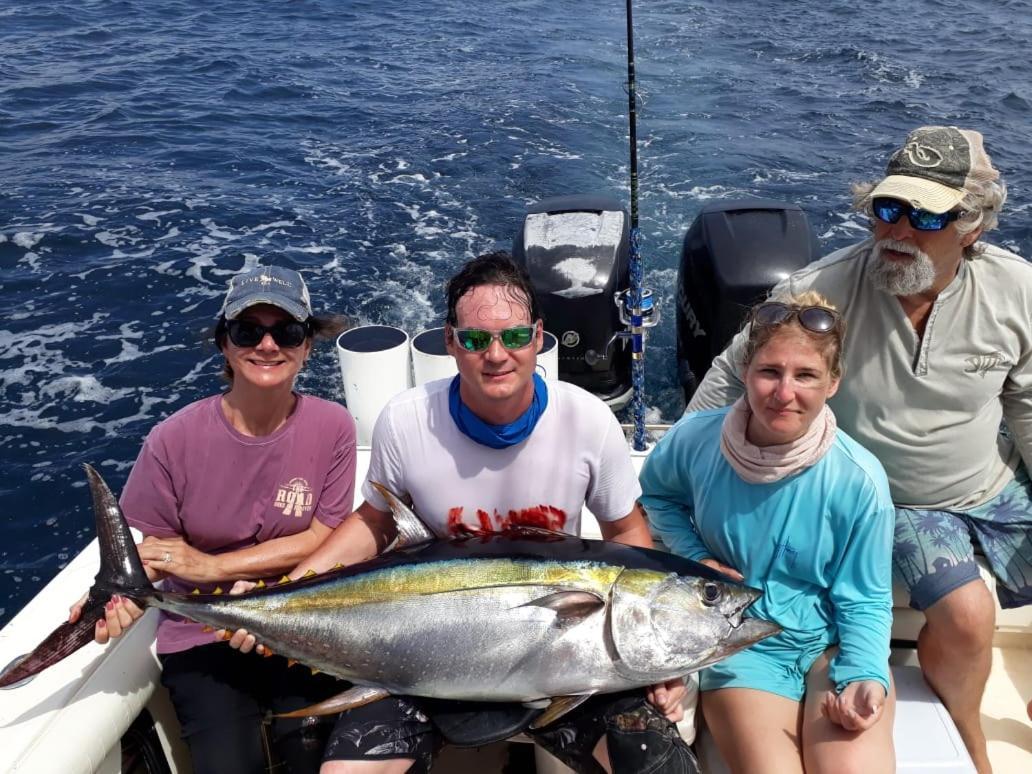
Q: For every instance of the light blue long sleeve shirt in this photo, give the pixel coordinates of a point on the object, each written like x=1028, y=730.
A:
x=818, y=543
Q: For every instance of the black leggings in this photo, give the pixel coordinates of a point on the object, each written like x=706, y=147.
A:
x=222, y=696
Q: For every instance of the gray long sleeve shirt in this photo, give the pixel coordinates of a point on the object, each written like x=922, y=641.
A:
x=929, y=407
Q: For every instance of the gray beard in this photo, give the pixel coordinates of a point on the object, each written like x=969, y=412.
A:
x=900, y=278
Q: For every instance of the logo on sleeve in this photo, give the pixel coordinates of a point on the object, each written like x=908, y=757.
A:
x=294, y=498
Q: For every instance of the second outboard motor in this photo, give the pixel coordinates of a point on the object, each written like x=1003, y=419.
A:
x=576, y=250
x=734, y=253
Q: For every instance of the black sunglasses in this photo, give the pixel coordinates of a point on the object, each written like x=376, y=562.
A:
x=816, y=319
x=891, y=210
x=286, y=333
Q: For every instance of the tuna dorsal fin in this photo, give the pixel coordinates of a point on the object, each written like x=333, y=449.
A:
x=571, y=607
x=558, y=707
x=411, y=529
x=349, y=699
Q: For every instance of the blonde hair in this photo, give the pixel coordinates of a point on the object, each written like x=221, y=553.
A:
x=829, y=344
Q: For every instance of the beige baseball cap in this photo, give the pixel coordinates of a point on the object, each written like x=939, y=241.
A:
x=936, y=168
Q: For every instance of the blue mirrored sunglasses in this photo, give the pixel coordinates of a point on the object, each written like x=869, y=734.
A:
x=891, y=210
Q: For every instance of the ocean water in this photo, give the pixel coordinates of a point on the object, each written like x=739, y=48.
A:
x=149, y=150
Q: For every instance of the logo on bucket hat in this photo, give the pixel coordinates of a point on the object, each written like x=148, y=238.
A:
x=936, y=168
x=273, y=285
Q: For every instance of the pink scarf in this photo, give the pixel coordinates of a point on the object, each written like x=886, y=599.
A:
x=765, y=465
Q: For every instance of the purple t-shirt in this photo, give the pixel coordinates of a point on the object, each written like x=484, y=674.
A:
x=199, y=479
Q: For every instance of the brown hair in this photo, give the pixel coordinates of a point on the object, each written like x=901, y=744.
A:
x=828, y=344
x=496, y=268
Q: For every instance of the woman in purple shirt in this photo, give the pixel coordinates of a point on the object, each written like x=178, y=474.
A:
x=243, y=484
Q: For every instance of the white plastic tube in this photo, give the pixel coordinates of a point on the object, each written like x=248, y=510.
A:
x=375, y=366
x=548, y=358
x=430, y=359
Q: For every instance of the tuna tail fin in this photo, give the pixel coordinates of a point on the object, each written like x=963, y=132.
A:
x=121, y=572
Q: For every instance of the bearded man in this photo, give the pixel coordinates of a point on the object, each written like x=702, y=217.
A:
x=938, y=352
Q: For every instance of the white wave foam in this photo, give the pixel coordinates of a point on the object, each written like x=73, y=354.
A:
x=219, y=232
x=81, y=389
x=26, y=239
x=156, y=214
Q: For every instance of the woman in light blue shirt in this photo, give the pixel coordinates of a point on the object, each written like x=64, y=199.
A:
x=770, y=492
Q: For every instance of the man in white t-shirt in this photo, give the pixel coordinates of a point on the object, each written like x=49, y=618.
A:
x=497, y=446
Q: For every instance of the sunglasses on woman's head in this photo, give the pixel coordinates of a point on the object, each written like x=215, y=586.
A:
x=816, y=319
x=478, y=340
x=286, y=333
x=891, y=210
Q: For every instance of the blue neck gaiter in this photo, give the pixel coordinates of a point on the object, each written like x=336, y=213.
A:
x=498, y=436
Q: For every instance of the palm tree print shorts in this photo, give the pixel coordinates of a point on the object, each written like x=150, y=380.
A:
x=934, y=551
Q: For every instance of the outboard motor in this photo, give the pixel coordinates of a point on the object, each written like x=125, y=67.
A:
x=576, y=250
x=734, y=253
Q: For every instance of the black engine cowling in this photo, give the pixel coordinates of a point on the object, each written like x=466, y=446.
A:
x=734, y=253
x=576, y=250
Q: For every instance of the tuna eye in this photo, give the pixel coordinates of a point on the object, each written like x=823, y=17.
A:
x=711, y=594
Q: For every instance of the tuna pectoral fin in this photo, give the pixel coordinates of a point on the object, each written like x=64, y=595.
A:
x=570, y=607
x=560, y=706
x=351, y=698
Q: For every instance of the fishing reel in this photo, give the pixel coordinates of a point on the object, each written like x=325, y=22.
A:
x=650, y=317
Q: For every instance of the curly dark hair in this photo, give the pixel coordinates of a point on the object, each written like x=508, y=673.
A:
x=497, y=268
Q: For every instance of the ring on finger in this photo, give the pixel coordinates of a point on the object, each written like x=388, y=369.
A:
x=167, y=558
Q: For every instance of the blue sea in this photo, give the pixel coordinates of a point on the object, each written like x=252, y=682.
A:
x=149, y=150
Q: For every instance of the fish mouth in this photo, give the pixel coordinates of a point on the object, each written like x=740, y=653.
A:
x=745, y=596
x=747, y=631
x=740, y=636
x=750, y=631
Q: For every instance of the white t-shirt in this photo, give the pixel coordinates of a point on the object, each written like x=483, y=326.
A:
x=576, y=455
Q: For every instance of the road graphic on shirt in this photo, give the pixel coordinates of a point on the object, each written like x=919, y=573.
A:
x=294, y=498
x=544, y=516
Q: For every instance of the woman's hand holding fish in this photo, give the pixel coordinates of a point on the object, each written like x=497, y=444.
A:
x=119, y=615
x=174, y=556
x=857, y=708
x=668, y=697
x=240, y=639
x=731, y=572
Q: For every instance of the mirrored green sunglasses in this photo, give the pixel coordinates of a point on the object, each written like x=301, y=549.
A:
x=478, y=340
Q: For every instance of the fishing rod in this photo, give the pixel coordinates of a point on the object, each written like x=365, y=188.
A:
x=636, y=308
